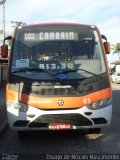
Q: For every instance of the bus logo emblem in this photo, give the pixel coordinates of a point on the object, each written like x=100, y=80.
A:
x=60, y=102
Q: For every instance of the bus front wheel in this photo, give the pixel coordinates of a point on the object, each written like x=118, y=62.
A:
x=95, y=130
x=22, y=134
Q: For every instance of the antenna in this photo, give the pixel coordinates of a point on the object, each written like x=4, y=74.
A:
x=18, y=23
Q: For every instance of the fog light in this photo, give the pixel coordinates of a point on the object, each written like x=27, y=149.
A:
x=94, y=105
x=23, y=108
x=17, y=105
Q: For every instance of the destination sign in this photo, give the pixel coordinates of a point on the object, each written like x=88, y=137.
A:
x=43, y=36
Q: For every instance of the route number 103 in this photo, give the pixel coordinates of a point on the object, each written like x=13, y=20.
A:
x=29, y=36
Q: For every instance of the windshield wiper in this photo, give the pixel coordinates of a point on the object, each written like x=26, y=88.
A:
x=37, y=70
x=75, y=70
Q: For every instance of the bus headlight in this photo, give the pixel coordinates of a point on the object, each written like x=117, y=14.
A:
x=22, y=107
x=100, y=104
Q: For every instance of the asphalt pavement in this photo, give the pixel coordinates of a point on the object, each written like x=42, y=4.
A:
x=3, y=112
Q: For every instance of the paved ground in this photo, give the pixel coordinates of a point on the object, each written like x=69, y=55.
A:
x=3, y=114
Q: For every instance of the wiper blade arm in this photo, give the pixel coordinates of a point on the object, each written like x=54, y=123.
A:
x=76, y=70
x=37, y=70
x=44, y=70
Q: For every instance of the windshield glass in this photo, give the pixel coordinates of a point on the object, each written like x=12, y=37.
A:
x=58, y=49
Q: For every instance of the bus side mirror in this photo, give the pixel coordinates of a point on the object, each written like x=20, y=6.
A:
x=4, y=51
x=107, y=47
x=4, y=48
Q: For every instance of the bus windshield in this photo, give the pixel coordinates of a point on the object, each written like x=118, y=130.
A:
x=58, y=49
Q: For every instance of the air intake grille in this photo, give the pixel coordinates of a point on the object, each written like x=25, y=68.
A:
x=73, y=119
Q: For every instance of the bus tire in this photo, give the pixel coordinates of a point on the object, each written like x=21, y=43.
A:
x=21, y=134
x=95, y=130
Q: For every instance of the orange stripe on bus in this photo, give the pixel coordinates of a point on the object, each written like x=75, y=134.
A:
x=55, y=102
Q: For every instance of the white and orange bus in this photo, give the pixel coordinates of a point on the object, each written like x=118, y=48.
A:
x=58, y=78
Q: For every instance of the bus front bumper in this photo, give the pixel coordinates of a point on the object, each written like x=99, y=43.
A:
x=36, y=119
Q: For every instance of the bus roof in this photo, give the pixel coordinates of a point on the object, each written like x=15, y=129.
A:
x=58, y=23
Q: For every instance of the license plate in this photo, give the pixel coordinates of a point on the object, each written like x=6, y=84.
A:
x=60, y=126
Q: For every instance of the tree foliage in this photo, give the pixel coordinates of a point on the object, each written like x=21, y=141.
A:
x=116, y=48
